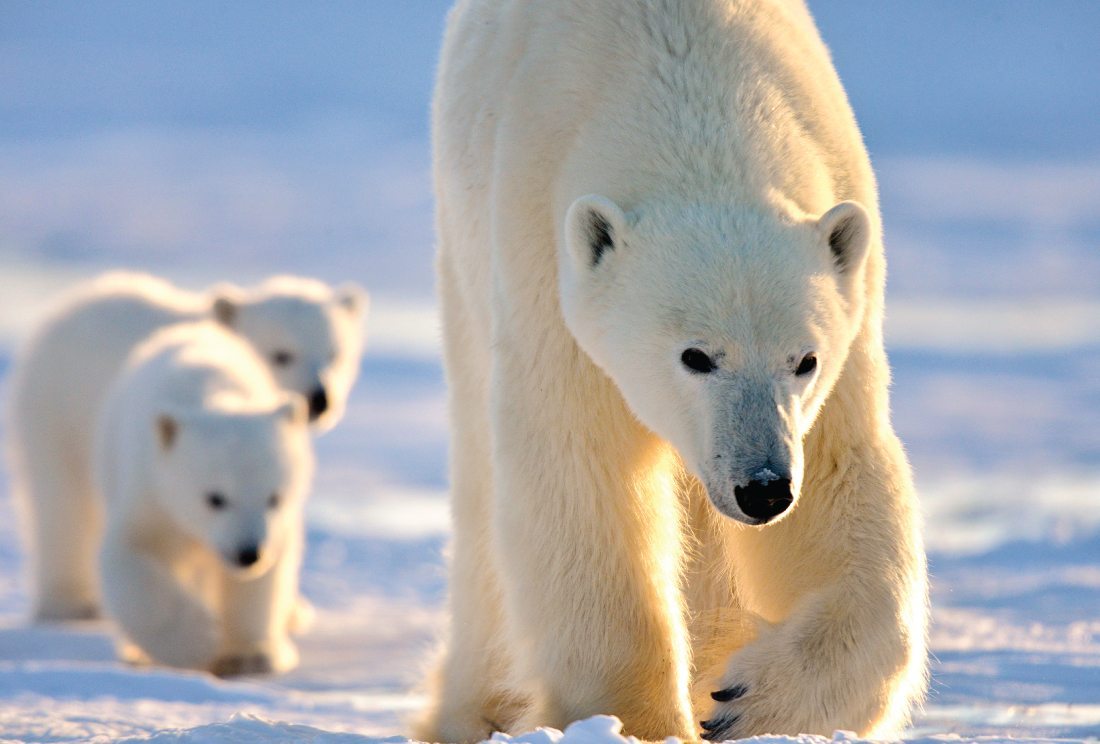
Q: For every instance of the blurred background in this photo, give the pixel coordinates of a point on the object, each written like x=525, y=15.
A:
x=209, y=141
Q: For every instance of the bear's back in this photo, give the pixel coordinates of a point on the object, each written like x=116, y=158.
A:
x=66, y=368
x=200, y=365
x=726, y=100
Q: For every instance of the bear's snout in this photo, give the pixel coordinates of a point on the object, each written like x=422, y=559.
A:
x=764, y=500
x=247, y=556
x=318, y=403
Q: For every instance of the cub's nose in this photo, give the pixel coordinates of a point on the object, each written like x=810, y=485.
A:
x=764, y=500
x=248, y=556
x=318, y=403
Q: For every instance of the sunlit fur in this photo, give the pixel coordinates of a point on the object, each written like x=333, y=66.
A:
x=62, y=375
x=195, y=412
x=592, y=571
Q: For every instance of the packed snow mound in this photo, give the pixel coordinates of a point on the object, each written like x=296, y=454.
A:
x=243, y=728
x=249, y=729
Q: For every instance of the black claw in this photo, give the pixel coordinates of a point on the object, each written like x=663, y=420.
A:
x=730, y=693
x=717, y=729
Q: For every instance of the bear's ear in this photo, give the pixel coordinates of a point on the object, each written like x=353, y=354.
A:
x=167, y=431
x=225, y=302
x=594, y=227
x=846, y=230
x=293, y=411
x=352, y=298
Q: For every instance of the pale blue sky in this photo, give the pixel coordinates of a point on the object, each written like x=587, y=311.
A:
x=1014, y=77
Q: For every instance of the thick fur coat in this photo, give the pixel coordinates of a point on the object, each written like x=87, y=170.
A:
x=204, y=464
x=677, y=491
x=309, y=335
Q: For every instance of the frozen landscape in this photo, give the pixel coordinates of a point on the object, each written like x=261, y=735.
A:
x=209, y=141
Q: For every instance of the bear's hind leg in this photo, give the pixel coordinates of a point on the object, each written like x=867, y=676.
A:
x=64, y=521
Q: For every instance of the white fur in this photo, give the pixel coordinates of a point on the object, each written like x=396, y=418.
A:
x=196, y=415
x=602, y=561
x=64, y=372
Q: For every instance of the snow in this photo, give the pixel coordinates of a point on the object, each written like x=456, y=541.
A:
x=146, y=135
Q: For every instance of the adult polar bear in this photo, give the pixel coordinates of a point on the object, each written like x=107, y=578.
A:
x=661, y=276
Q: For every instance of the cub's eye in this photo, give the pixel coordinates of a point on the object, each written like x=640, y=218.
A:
x=282, y=357
x=273, y=501
x=807, y=365
x=697, y=361
x=216, y=501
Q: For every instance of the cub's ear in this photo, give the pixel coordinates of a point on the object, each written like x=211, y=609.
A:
x=293, y=410
x=594, y=227
x=846, y=230
x=167, y=430
x=352, y=298
x=225, y=302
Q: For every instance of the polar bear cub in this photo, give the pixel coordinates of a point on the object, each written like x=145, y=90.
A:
x=204, y=464
x=308, y=333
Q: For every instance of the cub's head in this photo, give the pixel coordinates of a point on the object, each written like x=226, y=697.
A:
x=310, y=334
x=724, y=330
x=235, y=482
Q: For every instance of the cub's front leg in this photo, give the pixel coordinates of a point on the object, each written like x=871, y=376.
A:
x=254, y=615
x=163, y=618
x=850, y=657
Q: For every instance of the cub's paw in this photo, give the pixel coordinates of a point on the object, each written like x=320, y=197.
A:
x=129, y=653
x=180, y=634
x=235, y=665
x=65, y=609
x=301, y=617
x=273, y=658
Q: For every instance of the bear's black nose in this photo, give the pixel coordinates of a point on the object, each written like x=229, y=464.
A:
x=318, y=403
x=247, y=556
x=764, y=500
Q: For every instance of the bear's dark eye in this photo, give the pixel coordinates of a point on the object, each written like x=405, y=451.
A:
x=282, y=357
x=216, y=501
x=807, y=365
x=273, y=501
x=697, y=361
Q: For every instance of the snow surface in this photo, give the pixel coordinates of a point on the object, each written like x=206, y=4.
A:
x=208, y=141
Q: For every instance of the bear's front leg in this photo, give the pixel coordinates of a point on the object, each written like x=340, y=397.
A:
x=849, y=657
x=162, y=617
x=587, y=530
x=254, y=616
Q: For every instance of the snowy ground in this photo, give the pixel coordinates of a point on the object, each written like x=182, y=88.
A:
x=149, y=136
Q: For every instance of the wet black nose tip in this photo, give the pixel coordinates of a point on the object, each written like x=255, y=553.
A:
x=248, y=556
x=318, y=403
x=764, y=500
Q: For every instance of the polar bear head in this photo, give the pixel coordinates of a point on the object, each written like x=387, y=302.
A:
x=309, y=333
x=725, y=330
x=235, y=481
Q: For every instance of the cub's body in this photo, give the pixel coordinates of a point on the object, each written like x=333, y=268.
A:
x=62, y=377
x=204, y=464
